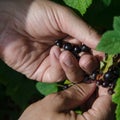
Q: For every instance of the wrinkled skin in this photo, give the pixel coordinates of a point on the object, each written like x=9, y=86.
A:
x=60, y=106
x=29, y=29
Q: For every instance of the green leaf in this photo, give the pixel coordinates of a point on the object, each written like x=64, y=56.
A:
x=118, y=112
x=47, y=88
x=110, y=42
x=116, y=96
x=116, y=99
x=80, y=5
x=116, y=24
x=107, y=2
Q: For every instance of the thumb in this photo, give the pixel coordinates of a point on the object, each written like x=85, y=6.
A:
x=71, y=97
x=72, y=25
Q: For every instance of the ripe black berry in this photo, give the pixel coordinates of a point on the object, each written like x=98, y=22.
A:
x=67, y=46
x=76, y=55
x=65, y=86
x=111, y=85
x=76, y=49
x=86, y=79
x=116, y=73
x=59, y=43
x=108, y=75
x=105, y=84
x=99, y=82
x=112, y=67
x=84, y=48
x=93, y=76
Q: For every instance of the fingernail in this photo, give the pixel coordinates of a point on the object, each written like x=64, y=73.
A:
x=68, y=61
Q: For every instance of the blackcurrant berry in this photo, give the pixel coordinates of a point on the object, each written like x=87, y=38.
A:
x=116, y=73
x=65, y=86
x=111, y=85
x=108, y=76
x=112, y=67
x=86, y=79
x=59, y=43
x=93, y=76
x=84, y=48
x=99, y=82
x=67, y=46
x=76, y=49
x=76, y=56
x=105, y=84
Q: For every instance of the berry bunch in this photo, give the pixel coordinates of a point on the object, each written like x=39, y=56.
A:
x=107, y=79
x=74, y=49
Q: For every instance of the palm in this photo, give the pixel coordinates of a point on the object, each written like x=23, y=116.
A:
x=28, y=46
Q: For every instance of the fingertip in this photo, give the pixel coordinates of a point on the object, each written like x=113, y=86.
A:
x=99, y=55
x=67, y=59
x=55, y=52
x=71, y=67
x=103, y=91
x=54, y=72
x=88, y=63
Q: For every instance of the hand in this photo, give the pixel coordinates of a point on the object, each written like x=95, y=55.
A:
x=28, y=30
x=60, y=106
x=97, y=104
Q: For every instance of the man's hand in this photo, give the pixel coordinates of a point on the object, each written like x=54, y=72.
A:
x=60, y=106
x=97, y=104
x=29, y=29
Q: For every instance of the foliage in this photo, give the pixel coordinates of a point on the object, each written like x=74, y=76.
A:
x=47, y=88
x=80, y=5
x=111, y=39
x=116, y=99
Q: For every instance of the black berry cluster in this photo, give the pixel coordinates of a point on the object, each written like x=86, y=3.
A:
x=107, y=79
x=74, y=49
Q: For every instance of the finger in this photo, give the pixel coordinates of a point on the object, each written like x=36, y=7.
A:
x=39, y=73
x=71, y=97
x=100, y=55
x=71, y=67
x=71, y=24
x=54, y=72
x=88, y=63
x=103, y=108
x=72, y=40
